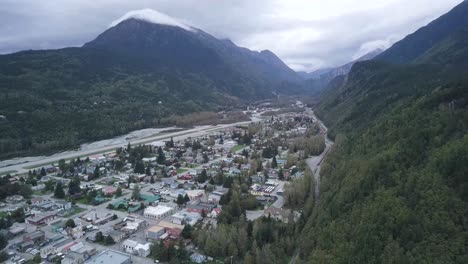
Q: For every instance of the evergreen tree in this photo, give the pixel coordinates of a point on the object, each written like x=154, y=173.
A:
x=161, y=159
x=96, y=172
x=148, y=171
x=43, y=172
x=186, y=199
x=281, y=175
x=74, y=186
x=139, y=167
x=180, y=200
x=136, y=193
x=59, y=193
x=187, y=232
x=274, y=163
x=202, y=177
x=129, y=147
x=118, y=193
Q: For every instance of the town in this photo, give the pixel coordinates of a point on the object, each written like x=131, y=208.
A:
x=163, y=201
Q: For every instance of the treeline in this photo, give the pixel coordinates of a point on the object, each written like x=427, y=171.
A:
x=8, y=189
x=263, y=241
x=394, y=187
x=312, y=146
x=300, y=192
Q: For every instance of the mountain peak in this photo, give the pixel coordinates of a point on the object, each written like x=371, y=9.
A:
x=152, y=16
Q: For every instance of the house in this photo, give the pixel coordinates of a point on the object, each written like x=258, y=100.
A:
x=109, y=190
x=155, y=232
x=36, y=237
x=14, y=199
x=110, y=257
x=59, y=246
x=199, y=207
x=197, y=258
x=42, y=218
x=116, y=235
x=135, y=248
x=194, y=194
x=280, y=214
x=173, y=230
x=73, y=258
x=15, y=231
x=185, y=217
x=157, y=212
x=215, y=213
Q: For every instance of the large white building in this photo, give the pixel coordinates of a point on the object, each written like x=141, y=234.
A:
x=157, y=212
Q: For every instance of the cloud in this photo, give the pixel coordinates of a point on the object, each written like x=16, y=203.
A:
x=306, y=34
x=152, y=16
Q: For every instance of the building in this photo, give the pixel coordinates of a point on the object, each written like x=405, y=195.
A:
x=59, y=246
x=42, y=218
x=111, y=257
x=36, y=237
x=155, y=232
x=109, y=190
x=173, y=230
x=157, y=212
x=135, y=248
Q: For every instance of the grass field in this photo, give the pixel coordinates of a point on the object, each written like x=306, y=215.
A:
x=237, y=148
x=180, y=170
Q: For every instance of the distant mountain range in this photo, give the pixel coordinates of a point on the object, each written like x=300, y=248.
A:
x=56, y=99
x=318, y=80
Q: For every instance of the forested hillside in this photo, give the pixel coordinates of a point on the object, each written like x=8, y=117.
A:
x=394, y=187
x=56, y=99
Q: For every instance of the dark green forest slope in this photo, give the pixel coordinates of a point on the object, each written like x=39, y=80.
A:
x=394, y=188
x=56, y=99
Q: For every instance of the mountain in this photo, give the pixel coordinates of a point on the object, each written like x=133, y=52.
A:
x=169, y=47
x=418, y=43
x=57, y=99
x=393, y=188
x=320, y=79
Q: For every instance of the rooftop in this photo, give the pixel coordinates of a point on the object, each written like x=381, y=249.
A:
x=157, y=210
x=110, y=257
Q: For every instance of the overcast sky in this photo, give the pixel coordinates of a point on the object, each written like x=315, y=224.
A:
x=306, y=34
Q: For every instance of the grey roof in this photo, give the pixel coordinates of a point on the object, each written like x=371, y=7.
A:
x=109, y=257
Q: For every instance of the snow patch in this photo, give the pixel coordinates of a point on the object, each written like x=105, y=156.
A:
x=152, y=16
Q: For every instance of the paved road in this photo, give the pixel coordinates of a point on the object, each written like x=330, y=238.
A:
x=24, y=166
x=315, y=162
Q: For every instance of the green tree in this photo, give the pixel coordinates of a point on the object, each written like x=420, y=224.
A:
x=99, y=236
x=202, y=177
x=180, y=200
x=139, y=167
x=161, y=159
x=59, y=193
x=148, y=171
x=281, y=175
x=70, y=223
x=108, y=240
x=62, y=165
x=118, y=193
x=96, y=172
x=3, y=241
x=274, y=164
x=186, y=198
x=43, y=172
x=136, y=193
x=74, y=186
x=187, y=232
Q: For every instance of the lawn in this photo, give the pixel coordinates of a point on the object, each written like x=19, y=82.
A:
x=237, y=148
x=180, y=170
